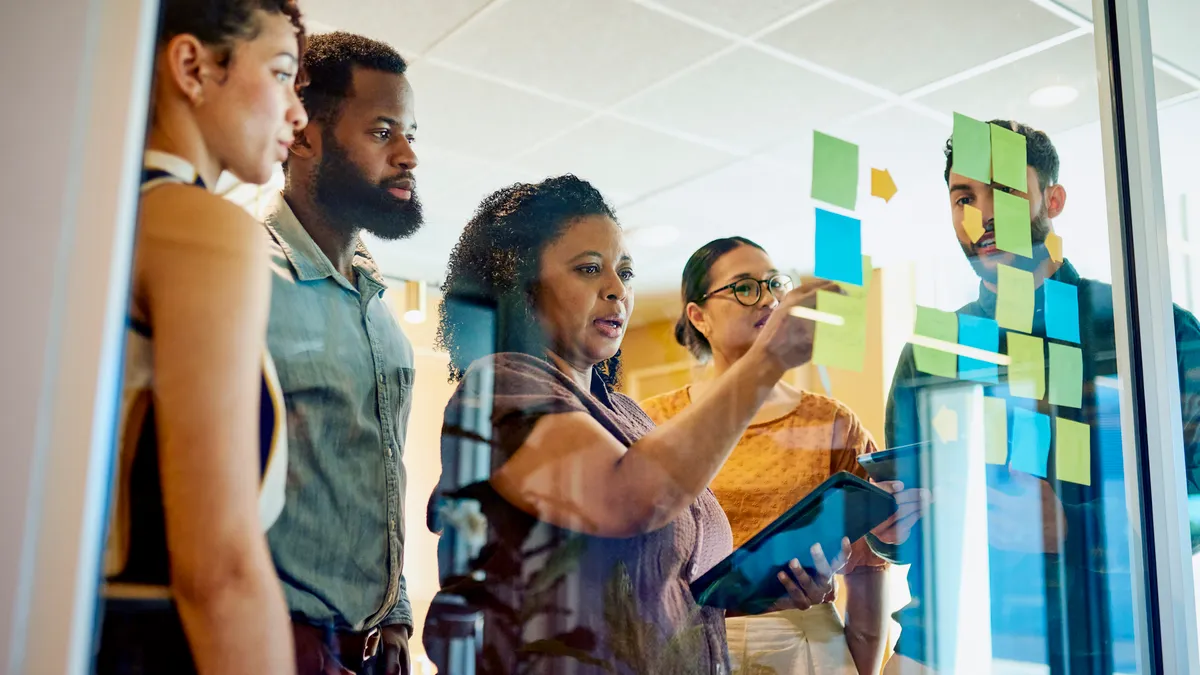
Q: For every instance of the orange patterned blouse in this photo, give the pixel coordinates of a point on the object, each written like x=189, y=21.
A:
x=780, y=460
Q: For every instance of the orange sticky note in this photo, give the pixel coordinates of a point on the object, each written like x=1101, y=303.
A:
x=973, y=222
x=1053, y=246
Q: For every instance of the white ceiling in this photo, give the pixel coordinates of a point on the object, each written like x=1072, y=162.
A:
x=696, y=115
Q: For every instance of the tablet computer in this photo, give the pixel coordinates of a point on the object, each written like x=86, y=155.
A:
x=902, y=464
x=843, y=506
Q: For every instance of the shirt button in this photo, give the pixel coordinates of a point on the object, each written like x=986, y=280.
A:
x=389, y=451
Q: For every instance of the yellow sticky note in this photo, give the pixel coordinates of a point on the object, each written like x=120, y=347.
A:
x=861, y=291
x=1027, y=372
x=945, y=424
x=1014, y=299
x=1066, y=375
x=1073, y=451
x=1054, y=246
x=973, y=222
x=995, y=430
x=841, y=346
x=939, y=325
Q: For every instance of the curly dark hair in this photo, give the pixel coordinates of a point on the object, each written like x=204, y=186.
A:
x=329, y=66
x=1039, y=151
x=221, y=23
x=495, y=265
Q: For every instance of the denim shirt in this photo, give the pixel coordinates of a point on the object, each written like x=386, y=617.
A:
x=346, y=370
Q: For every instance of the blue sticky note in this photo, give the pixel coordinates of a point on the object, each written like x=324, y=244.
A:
x=1030, y=442
x=1062, y=311
x=980, y=333
x=839, y=248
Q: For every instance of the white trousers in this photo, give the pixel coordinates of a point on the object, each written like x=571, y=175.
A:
x=791, y=642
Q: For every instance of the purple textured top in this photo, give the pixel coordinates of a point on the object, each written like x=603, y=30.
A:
x=559, y=601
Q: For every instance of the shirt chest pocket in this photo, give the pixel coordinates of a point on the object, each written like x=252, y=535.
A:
x=400, y=399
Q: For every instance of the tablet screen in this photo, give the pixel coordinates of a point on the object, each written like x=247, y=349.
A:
x=842, y=506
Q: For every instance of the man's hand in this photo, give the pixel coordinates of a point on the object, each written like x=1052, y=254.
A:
x=913, y=505
x=395, y=656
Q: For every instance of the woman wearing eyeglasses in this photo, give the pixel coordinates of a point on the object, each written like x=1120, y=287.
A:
x=798, y=439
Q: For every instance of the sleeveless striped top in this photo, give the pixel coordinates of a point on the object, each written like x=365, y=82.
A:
x=136, y=562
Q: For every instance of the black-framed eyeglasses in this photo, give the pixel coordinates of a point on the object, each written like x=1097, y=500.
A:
x=749, y=291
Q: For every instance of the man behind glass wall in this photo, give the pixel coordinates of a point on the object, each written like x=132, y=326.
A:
x=1054, y=545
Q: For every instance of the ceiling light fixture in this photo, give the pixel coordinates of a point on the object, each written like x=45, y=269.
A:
x=1054, y=96
x=654, y=236
x=414, y=301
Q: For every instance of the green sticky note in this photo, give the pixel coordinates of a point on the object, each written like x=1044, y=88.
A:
x=995, y=430
x=861, y=291
x=1012, y=223
x=1014, y=299
x=1073, y=451
x=939, y=325
x=972, y=148
x=841, y=346
x=1009, y=158
x=834, y=171
x=1066, y=375
x=1027, y=372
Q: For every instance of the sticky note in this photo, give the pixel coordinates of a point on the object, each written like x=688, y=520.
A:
x=972, y=148
x=864, y=289
x=1027, y=372
x=1066, y=375
x=882, y=185
x=995, y=430
x=1062, y=310
x=1073, y=451
x=1014, y=298
x=1054, y=247
x=1012, y=223
x=839, y=247
x=835, y=171
x=841, y=346
x=1008, y=158
x=945, y=425
x=980, y=333
x=1030, y=442
x=939, y=325
x=973, y=222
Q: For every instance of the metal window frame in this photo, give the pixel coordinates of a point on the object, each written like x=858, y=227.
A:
x=1151, y=424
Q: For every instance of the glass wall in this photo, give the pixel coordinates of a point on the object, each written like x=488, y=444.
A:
x=718, y=281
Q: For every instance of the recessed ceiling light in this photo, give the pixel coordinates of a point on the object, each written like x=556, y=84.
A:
x=1054, y=96
x=654, y=236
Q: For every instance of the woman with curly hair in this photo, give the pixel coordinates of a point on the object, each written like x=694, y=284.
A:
x=189, y=582
x=596, y=520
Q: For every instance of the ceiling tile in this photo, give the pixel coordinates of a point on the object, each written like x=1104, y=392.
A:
x=1172, y=30
x=738, y=16
x=451, y=184
x=1004, y=92
x=481, y=118
x=624, y=160
x=747, y=99
x=595, y=52
x=904, y=45
x=411, y=26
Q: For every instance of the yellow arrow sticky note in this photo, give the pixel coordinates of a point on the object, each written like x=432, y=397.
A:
x=973, y=222
x=882, y=185
x=945, y=424
x=1053, y=246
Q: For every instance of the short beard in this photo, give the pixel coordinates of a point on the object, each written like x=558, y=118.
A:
x=1039, y=229
x=349, y=199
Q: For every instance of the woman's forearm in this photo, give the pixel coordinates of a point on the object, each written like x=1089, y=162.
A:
x=866, y=618
x=236, y=619
x=667, y=469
